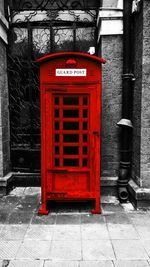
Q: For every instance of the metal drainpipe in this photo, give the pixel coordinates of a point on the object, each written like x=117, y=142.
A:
x=125, y=123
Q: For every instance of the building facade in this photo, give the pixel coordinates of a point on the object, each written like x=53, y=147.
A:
x=29, y=31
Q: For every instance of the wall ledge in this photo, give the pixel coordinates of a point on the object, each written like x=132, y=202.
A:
x=110, y=22
x=139, y=196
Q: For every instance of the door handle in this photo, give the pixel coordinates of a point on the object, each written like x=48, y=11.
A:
x=96, y=133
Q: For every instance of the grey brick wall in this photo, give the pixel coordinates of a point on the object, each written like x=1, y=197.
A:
x=4, y=114
x=145, y=112
x=137, y=94
x=111, y=51
x=141, y=111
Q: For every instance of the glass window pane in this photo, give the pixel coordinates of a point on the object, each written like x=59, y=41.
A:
x=56, y=150
x=71, y=113
x=71, y=125
x=85, y=101
x=70, y=101
x=56, y=113
x=84, y=138
x=57, y=162
x=56, y=125
x=20, y=42
x=63, y=39
x=56, y=100
x=85, y=150
x=85, y=38
x=84, y=125
x=71, y=138
x=85, y=113
x=71, y=162
x=71, y=150
x=84, y=162
x=56, y=137
x=41, y=42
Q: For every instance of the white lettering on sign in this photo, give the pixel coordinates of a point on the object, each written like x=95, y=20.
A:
x=71, y=72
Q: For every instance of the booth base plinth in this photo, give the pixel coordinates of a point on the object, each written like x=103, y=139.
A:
x=43, y=211
x=96, y=211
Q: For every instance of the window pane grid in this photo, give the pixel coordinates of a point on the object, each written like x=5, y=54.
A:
x=71, y=123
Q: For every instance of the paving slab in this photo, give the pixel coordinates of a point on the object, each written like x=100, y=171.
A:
x=4, y=215
x=8, y=249
x=11, y=200
x=143, y=231
x=92, y=219
x=20, y=217
x=61, y=264
x=18, y=191
x=96, y=264
x=1, y=227
x=33, y=250
x=36, y=232
x=71, y=236
x=26, y=207
x=97, y=250
x=13, y=232
x=131, y=263
x=68, y=219
x=43, y=219
x=122, y=231
x=117, y=218
x=67, y=232
x=66, y=250
x=6, y=205
x=139, y=218
x=32, y=191
x=112, y=207
x=78, y=264
x=128, y=207
x=129, y=249
x=26, y=263
x=146, y=245
x=94, y=232
x=35, y=198
x=109, y=200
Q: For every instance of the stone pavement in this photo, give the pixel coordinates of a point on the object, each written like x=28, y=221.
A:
x=70, y=236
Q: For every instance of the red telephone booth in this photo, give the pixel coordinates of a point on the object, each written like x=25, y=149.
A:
x=70, y=85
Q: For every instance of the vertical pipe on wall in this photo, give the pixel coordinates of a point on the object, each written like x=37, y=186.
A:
x=125, y=123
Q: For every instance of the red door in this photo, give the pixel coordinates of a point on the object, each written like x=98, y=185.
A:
x=72, y=143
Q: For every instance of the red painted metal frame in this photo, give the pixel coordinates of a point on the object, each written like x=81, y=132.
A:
x=70, y=54
x=70, y=182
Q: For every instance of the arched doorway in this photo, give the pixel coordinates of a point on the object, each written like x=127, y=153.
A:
x=35, y=30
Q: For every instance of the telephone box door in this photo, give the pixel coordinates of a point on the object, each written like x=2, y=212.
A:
x=73, y=143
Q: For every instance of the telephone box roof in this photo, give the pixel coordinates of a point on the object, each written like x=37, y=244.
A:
x=70, y=54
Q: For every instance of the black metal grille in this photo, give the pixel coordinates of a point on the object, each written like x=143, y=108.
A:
x=36, y=30
x=18, y=5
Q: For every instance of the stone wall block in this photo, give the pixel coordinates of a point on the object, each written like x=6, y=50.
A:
x=111, y=103
x=145, y=179
x=145, y=141
x=137, y=96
